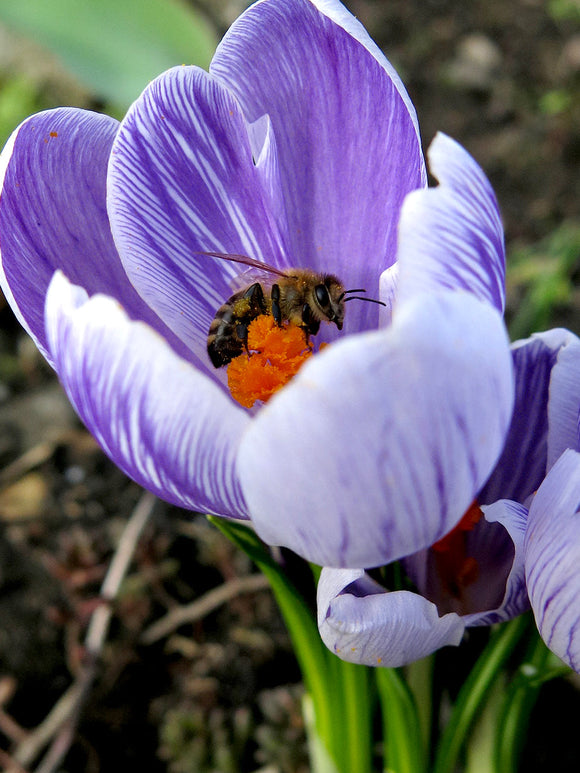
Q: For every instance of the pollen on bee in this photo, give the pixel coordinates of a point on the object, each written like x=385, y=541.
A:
x=276, y=354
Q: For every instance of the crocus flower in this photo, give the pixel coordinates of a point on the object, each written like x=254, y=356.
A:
x=297, y=149
x=501, y=556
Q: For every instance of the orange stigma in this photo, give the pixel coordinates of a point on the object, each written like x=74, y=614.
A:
x=275, y=355
x=455, y=568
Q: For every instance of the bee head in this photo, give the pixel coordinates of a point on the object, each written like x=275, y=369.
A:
x=329, y=297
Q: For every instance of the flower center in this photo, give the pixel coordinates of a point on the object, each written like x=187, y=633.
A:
x=455, y=568
x=275, y=354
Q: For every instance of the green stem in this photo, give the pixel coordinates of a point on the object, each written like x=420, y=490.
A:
x=312, y=657
x=404, y=745
x=518, y=703
x=480, y=747
x=320, y=759
x=474, y=692
x=357, y=717
x=339, y=715
x=419, y=677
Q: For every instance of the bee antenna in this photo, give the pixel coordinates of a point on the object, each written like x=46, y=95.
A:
x=368, y=300
x=358, y=290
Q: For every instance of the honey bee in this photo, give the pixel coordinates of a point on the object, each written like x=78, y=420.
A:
x=300, y=296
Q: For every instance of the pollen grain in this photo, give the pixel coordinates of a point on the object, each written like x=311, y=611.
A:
x=275, y=354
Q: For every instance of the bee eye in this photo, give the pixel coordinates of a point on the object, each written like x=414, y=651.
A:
x=322, y=295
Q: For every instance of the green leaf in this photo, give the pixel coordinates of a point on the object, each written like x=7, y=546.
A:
x=476, y=690
x=115, y=47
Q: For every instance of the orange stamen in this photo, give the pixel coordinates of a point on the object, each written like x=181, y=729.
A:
x=456, y=569
x=276, y=354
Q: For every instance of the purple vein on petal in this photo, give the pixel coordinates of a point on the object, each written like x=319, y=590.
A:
x=165, y=424
x=347, y=139
x=182, y=181
x=53, y=216
x=451, y=236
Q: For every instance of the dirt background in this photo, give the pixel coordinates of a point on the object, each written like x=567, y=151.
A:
x=222, y=693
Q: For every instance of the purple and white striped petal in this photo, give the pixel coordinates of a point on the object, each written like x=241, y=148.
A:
x=545, y=417
x=383, y=439
x=552, y=558
x=53, y=216
x=497, y=591
x=564, y=403
x=495, y=561
x=451, y=236
x=388, y=289
x=362, y=623
x=182, y=179
x=346, y=132
x=159, y=419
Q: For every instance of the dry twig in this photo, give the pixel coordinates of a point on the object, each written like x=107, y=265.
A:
x=59, y=726
x=32, y=458
x=203, y=606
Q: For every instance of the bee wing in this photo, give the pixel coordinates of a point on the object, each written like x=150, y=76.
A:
x=250, y=276
x=247, y=261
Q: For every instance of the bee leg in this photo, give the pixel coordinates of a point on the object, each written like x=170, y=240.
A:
x=309, y=323
x=242, y=334
x=310, y=326
x=257, y=306
x=255, y=295
x=275, y=299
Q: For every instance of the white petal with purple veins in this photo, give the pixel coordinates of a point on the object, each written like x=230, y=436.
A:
x=159, y=419
x=346, y=134
x=182, y=180
x=380, y=443
x=564, y=404
x=363, y=623
x=513, y=594
x=53, y=216
x=552, y=558
x=389, y=285
x=545, y=417
x=451, y=236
